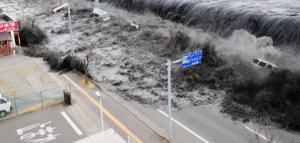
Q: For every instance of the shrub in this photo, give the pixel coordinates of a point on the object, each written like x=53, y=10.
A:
x=31, y=35
x=54, y=59
x=32, y=50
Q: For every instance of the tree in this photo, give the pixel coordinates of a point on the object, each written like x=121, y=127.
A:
x=87, y=60
x=269, y=135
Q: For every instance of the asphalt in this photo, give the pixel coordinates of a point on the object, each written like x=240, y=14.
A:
x=21, y=75
x=25, y=75
x=125, y=116
x=18, y=129
x=87, y=115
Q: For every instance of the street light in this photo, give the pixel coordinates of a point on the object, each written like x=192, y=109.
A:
x=62, y=7
x=98, y=94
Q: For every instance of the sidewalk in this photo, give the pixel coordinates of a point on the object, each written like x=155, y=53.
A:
x=133, y=111
x=129, y=122
x=82, y=114
x=87, y=115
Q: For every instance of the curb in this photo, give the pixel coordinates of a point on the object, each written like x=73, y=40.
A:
x=134, y=112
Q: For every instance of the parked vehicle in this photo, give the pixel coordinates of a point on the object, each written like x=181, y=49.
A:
x=259, y=63
x=5, y=106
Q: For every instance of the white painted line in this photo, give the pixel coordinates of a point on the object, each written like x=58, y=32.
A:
x=72, y=123
x=196, y=135
x=258, y=134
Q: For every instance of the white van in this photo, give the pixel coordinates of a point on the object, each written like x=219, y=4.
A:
x=103, y=14
x=5, y=106
x=259, y=63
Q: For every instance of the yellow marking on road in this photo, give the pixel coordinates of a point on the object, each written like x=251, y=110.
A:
x=109, y=115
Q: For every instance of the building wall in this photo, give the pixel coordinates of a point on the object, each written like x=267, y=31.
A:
x=5, y=48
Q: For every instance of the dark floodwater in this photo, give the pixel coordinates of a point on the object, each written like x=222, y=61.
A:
x=277, y=19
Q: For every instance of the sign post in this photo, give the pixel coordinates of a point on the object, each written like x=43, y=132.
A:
x=191, y=59
x=188, y=60
x=169, y=99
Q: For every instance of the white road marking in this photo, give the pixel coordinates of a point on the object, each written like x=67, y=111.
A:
x=71, y=123
x=42, y=131
x=258, y=134
x=20, y=131
x=199, y=137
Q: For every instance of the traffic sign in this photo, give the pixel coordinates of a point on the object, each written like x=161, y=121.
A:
x=191, y=59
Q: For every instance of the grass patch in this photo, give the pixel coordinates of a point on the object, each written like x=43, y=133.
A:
x=88, y=85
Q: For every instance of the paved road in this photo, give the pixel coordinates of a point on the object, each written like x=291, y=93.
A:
x=197, y=124
x=124, y=117
x=209, y=124
x=48, y=125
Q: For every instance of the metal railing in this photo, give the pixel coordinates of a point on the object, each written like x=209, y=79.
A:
x=36, y=101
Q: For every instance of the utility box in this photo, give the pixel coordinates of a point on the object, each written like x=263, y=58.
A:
x=67, y=97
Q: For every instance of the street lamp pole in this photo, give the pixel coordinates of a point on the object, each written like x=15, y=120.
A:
x=98, y=94
x=22, y=6
x=70, y=23
x=70, y=27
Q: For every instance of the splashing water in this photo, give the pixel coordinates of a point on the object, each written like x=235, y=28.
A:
x=276, y=19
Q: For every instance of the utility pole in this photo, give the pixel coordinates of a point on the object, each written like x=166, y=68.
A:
x=22, y=6
x=96, y=3
x=70, y=23
x=71, y=32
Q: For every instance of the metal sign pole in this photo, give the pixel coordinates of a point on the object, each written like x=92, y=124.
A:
x=188, y=60
x=169, y=99
x=71, y=32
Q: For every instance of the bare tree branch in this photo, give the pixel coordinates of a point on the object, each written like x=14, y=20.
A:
x=87, y=61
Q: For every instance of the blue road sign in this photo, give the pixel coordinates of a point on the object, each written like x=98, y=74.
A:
x=191, y=59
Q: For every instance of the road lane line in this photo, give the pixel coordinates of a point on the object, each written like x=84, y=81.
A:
x=77, y=130
x=108, y=114
x=189, y=130
x=258, y=134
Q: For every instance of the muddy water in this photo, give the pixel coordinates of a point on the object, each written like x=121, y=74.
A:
x=276, y=19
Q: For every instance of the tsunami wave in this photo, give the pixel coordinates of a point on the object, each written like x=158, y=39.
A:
x=221, y=19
